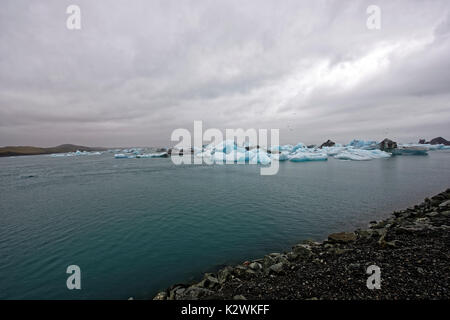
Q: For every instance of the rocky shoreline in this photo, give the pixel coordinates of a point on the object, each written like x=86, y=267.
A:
x=411, y=248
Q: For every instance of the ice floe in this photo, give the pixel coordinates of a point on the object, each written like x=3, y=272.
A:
x=304, y=156
x=361, y=144
x=424, y=146
x=76, y=153
x=361, y=154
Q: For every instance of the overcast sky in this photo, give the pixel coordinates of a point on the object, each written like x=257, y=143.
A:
x=137, y=70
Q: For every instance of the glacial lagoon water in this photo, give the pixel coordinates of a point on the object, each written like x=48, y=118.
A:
x=135, y=226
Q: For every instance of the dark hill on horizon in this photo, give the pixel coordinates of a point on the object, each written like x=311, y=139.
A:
x=29, y=150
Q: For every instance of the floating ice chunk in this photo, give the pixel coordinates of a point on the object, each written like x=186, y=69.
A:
x=231, y=157
x=283, y=156
x=361, y=144
x=120, y=156
x=308, y=156
x=226, y=146
x=240, y=149
x=76, y=153
x=298, y=146
x=378, y=154
x=205, y=154
x=124, y=156
x=152, y=155
x=332, y=151
x=261, y=157
x=219, y=157
x=361, y=154
x=197, y=150
x=424, y=146
x=287, y=147
x=347, y=155
x=242, y=156
x=411, y=150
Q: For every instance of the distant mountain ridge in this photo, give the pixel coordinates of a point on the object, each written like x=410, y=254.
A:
x=29, y=150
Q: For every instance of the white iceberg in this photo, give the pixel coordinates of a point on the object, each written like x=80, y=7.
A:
x=259, y=156
x=299, y=145
x=124, y=156
x=152, y=155
x=226, y=146
x=287, y=147
x=361, y=144
x=332, y=151
x=361, y=154
x=426, y=146
x=283, y=156
x=304, y=156
x=76, y=153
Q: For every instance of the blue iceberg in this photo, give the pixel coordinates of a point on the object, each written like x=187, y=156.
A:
x=304, y=156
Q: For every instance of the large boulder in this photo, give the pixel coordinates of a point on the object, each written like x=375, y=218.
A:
x=327, y=143
x=276, y=268
x=387, y=145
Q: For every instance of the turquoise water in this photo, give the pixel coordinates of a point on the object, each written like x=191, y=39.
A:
x=135, y=226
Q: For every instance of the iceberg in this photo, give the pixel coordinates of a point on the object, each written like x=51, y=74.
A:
x=124, y=156
x=283, y=156
x=298, y=146
x=361, y=144
x=332, y=151
x=361, y=154
x=205, y=154
x=379, y=154
x=226, y=146
x=76, y=153
x=347, y=155
x=411, y=150
x=219, y=157
x=287, y=148
x=259, y=156
x=263, y=157
x=152, y=155
x=308, y=156
x=240, y=149
x=426, y=146
x=242, y=157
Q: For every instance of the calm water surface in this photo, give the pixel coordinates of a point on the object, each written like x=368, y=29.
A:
x=135, y=226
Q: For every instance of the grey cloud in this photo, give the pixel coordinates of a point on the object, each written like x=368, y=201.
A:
x=140, y=69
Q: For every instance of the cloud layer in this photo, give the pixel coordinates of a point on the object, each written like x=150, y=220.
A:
x=138, y=70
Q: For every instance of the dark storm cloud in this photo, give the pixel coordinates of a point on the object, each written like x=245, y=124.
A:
x=138, y=70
